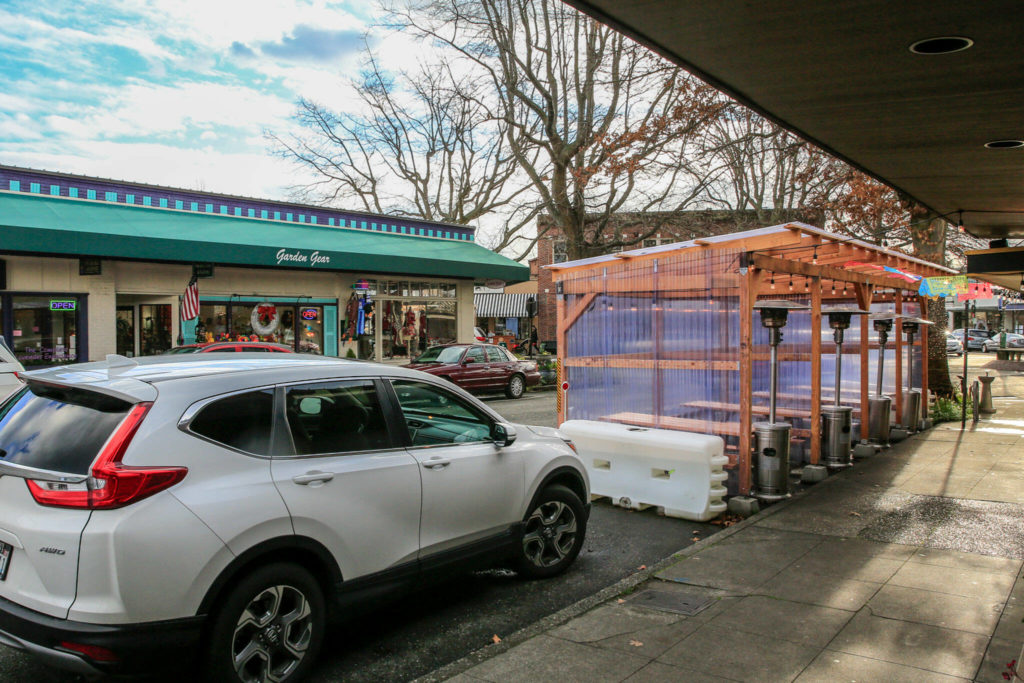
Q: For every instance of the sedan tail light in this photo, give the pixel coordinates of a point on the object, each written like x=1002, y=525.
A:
x=111, y=484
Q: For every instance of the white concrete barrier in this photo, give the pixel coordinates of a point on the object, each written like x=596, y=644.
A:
x=679, y=472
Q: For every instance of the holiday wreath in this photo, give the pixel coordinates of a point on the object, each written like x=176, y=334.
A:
x=264, y=319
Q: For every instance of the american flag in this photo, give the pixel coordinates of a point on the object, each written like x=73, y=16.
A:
x=190, y=302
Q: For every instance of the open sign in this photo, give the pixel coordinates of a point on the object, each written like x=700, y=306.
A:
x=309, y=313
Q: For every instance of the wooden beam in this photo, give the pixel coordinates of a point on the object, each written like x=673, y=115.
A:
x=864, y=294
x=651, y=363
x=748, y=294
x=898, y=346
x=562, y=374
x=573, y=315
x=815, y=370
x=923, y=302
x=828, y=272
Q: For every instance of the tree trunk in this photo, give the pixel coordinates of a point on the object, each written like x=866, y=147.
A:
x=928, y=234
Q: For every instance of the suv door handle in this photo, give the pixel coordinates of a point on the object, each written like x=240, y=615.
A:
x=436, y=463
x=314, y=477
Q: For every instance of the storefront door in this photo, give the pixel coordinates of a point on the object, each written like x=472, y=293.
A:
x=154, y=329
x=302, y=327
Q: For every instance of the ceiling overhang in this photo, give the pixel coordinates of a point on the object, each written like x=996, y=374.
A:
x=841, y=75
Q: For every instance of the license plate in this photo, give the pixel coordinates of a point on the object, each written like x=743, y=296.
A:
x=5, y=559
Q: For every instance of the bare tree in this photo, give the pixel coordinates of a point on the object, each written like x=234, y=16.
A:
x=765, y=168
x=613, y=123
x=422, y=144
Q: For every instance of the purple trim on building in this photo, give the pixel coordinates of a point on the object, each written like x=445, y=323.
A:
x=123, y=192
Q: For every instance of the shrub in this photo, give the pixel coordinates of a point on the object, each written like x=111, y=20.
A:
x=948, y=410
x=350, y=354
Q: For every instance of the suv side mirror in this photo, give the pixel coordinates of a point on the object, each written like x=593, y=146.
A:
x=503, y=434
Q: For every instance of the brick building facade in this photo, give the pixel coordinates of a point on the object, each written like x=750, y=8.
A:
x=685, y=226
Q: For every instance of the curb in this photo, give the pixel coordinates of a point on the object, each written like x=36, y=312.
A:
x=549, y=622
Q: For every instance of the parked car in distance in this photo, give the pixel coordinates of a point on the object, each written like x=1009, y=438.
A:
x=953, y=344
x=481, y=336
x=975, y=338
x=232, y=347
x=479, y=368
x=1013, y=341
x=156, y=507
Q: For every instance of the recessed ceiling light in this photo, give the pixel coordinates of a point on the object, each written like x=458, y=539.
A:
x=941, y=45
x=1005, y=144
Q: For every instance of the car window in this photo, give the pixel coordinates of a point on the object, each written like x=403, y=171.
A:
x=441, y=354
x=55, y=429
x=476, y=354
x=511, y=356
x=250, y=349
x=241, y=421
x=436, y=416
x=495, y=355
x=336, y=417
x=221, y=349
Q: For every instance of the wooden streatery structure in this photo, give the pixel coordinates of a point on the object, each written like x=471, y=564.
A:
x=666, y=336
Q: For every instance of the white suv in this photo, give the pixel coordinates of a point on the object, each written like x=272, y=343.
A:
x=227, y=505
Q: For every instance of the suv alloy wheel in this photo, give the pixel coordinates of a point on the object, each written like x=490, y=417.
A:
x=553, y=533
x=269, y=628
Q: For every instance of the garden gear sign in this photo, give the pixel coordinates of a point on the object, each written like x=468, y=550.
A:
x=264, y=318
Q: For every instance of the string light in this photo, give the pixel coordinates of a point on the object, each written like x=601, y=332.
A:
x=807, y=284
x=791, y=283
x=833, y=287
x=773, y=280
x=814, y=258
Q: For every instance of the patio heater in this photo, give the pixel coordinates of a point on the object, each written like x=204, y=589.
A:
x=912, y=397
x=837, y=420
x=879, y=406
x=772, y=438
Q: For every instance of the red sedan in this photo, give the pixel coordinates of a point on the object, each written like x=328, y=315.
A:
x=479, y=368
x=231, y=347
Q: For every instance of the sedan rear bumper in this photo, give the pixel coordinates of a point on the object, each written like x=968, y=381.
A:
x=137, y=647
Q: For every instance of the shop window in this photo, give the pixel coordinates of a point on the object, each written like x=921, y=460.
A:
x=73, y=192
x=650, y=243
x=55, y=190
x=110, y=196
x=33, y=188
x=163, y=202
x=90, y=194
x=45, y=329
x=213, y=323
x=129, y=199
x=155, y=329
x=15, y=186
x=125, y=332
x=147, y=201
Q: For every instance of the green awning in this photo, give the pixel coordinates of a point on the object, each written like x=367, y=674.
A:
x=38, y=224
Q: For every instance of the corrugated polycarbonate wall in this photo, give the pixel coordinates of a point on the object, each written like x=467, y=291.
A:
x=658, y=341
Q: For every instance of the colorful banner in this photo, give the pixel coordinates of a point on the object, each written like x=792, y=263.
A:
x=976, y=290
x=946, y=285
x=909, y=277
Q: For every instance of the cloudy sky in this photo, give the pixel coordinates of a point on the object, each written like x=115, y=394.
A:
x=174, y=92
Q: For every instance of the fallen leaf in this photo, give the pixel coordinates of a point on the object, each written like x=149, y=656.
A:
x=854, y=514
x=496, y=638
x=636, y=643
x=620, y=601
x=642, y=567
x=695, y=539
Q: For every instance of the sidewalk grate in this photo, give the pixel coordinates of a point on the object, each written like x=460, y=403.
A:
x=678, y=602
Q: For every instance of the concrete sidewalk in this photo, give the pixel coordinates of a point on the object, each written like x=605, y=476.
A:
x=906, y=567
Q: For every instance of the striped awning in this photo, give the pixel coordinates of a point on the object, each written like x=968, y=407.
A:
x=493, y=305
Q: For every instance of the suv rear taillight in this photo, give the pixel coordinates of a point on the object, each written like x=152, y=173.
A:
x=111, y=484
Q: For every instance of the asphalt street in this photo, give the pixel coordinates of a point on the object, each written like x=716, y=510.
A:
x=417, y=634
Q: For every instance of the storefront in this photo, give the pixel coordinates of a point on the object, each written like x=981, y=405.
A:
x=86, y=277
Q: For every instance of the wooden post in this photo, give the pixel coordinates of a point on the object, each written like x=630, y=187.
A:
x=815, y=370
x=864, y=294
x=897, y=329
x=748, y=294
x=924, y=355
x=563, y=371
